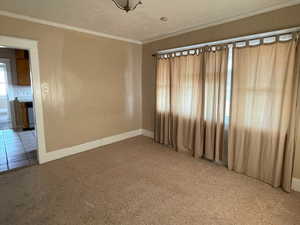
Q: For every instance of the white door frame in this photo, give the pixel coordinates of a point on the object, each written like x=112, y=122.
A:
x=32, y=47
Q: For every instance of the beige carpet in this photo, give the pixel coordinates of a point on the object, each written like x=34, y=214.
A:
x=136, y=182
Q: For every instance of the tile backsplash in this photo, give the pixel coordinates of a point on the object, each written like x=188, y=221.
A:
x=22, y=92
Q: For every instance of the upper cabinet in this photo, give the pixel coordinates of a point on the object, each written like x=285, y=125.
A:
x=23, y=68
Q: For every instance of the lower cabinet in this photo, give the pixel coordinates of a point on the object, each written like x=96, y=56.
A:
x=22, y=115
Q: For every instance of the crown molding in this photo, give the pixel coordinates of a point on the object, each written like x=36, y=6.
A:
x=218, y=22
x=64, y=26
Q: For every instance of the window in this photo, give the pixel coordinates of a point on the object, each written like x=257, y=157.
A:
x=228, y=88
x=3, y=87
x=163, y=86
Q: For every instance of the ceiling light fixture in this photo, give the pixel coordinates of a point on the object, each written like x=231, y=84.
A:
x=126, y=7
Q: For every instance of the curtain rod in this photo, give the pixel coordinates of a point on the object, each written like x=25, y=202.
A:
x=229, y=41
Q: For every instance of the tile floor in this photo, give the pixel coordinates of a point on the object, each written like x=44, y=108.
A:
x=5, y=122
x=17, y=149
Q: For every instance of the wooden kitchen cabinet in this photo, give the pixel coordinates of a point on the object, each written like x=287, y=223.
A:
x=23, y=68
x=22, y=114
x=22, y=54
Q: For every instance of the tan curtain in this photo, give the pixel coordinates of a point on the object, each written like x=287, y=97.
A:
x=263, y=112
x=193, y=109
x=162, y=117
x=186, y=102
x=215, y=70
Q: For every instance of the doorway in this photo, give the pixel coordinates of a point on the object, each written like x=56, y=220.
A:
x=18, y=141
x=37, y=90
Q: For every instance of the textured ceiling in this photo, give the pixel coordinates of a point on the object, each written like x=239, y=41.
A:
x=144, y=23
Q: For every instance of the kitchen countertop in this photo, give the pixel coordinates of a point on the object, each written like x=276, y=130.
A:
x=24, y=100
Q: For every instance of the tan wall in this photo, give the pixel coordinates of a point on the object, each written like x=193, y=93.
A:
x=94, y=83
x=279, y=19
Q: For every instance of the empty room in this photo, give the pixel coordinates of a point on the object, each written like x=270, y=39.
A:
x=128, y=112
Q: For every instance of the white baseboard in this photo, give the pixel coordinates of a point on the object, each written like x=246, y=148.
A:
x=49, y=156
x=148, y=133
x=296, y=184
